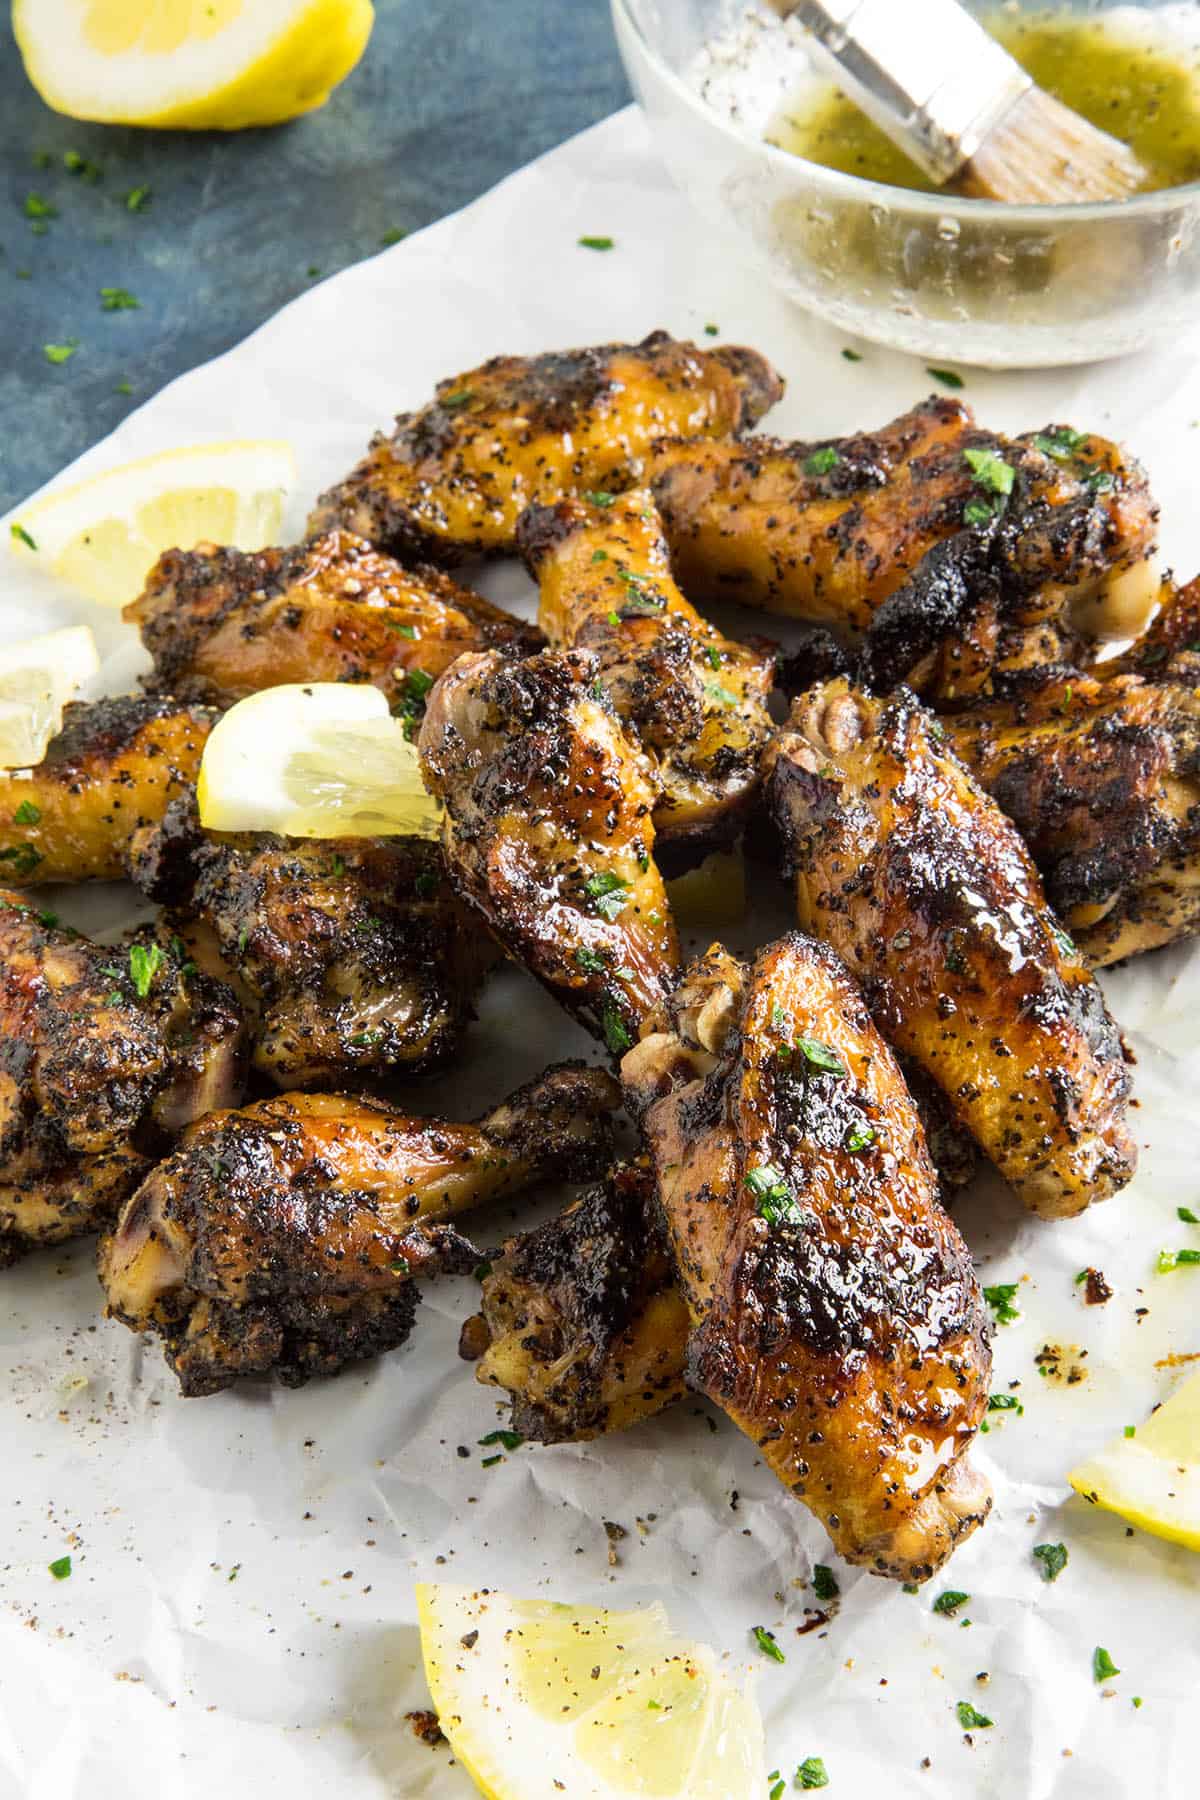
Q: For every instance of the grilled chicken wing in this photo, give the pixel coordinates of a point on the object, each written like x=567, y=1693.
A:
x=353, y=956
x=106, y=1051
x=549, y=831
x=582, y=1321
x=115, y=766
x=836, y=1316
x=279, y=1239
x=454, y=477
x=918, y=880
x=826, y=531
x=1170, y=649
x=1102, y=780
x=221, y=624
x=696, y=699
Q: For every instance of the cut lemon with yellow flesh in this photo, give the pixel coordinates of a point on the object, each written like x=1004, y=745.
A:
x=320, y=761
x=211, y=65
x=713, y=893
x=539, y=1700
x=103, y=536
x=37, y=678
x=1153, y=1478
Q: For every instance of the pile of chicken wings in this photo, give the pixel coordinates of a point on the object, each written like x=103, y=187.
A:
x=978, y=799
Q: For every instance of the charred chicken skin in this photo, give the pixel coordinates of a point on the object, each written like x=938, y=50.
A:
x=836, y=1317
x=550, y=831
x=455, y=477
x=582, y=1321
x=280, y=1239
x=1170, y=649
x=696, y=700
x=916, y=878
x=352, y=955
x=221, y=624
x=115, y=766
x=106, y=1053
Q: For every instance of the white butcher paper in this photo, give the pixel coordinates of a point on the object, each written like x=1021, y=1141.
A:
x=240, y=1617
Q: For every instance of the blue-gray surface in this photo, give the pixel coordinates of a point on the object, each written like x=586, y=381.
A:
x=448, y=98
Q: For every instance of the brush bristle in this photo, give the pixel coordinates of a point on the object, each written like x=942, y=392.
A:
x=1043, y=154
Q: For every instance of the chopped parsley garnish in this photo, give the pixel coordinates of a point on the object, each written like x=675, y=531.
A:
x=21, y=535
x=23, y=857
x=1053, y=1558
x=1099, y=481
x=60, y=353
x=596, y=243
x=819, y=1056
x=362, y=1040
x=123, y=387
x=766, y=1642
x=418, y=683
x=776, y=1202
x=590, y=961
x=714, y=656
x=489, y=1462
x=821, y=461
x=1181, y=1212
x=1004, y=1403
x=404, y=631
x=76, y=164
x=144, y=963
x=456, y=398
x=118, y=299
x=312, y=271
x=599, y=556
x=608, y=893
x=948, y=1603
x=60, y=1568
x=614, y=618
x=1061, y=443
x=137, y=199
x=969, y=1719
x=481, y=1271
x=1000, y=1298
x=947, y=377
x=978, y=512
x=1131, y=1431
x=38, y=207
x=1103, y=1666
x=615, y=1034
x=598, y=497
x=824, y=1582
x=860, y=1138
x=778, y=1017
x=719, y=694
x=776, y=1789
x=1176, y=1259
x=852, y=355
x=394, y=236
x=990, y=471
x=511, y=1440
x=1064, y=940
x=812, y=1773
x=26, y=814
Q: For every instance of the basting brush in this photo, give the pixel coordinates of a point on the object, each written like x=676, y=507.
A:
x=960, y=106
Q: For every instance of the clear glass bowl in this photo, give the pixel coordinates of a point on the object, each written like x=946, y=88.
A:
x=966, y=280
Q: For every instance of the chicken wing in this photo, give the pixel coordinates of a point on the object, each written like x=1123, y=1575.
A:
x=696, y=700
x=281, y=1238
x=106, y=1052
x=455, y=477
x=221, y=624
x=353, y=956
x=1170, y=649
x=582, y=1321
x=836, y=1316
x=914, y=875
x=115, y=766
x=549, y=831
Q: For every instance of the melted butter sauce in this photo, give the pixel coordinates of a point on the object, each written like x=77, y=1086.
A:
x=1145, y=92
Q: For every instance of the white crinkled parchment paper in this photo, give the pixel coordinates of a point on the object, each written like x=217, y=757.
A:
x=240, y=1617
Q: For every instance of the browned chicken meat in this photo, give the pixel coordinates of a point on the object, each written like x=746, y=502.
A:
x=116, y=765
x=455, y=477
x=836, y=1316
x=1102, y=780
x=280, y=1239
x=1170, y=649
x=696, y=699
x=106, y=1052
x=913, y=874
x=549, y=831
x=221, y=624
x=353, y=956
x=582, y=1321
x=826, y=531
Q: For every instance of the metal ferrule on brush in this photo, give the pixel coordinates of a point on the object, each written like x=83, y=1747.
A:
x=937, y=92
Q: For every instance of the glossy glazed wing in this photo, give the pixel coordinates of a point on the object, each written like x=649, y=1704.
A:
x=353, y=956
x=221, y=624
x=106, y=1052
x=836, y=1316
x=280, y=1239
x=696, y=699
x=549, y=831
x=115, y=766
x=1102, y=780
x=1170, y=649
x=455, y=477
x=581, y=1319
x=913, y=874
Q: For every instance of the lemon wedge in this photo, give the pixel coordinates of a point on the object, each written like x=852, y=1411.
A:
x=1153, y=1478
x=713, y=893
x=320, y=761
x=37, y=678
x=205, y=65
x=539, y=1700
x=103, y=536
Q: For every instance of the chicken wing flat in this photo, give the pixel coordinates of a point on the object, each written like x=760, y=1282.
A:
x=696, y=700
x=455, y=477
x=115, y=766
x=550, y=831
x=913, y=874
x=106, y=1052
x=353, y=956
x=825, y=531
x=221, y=624
x=582, y=1321
x=836, y=1316
x=281, y=1238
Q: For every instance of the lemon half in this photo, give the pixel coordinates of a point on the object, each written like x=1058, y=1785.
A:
x=1153, y=1478
x=212, y=65
x=539, y=1700
x=37, y=678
